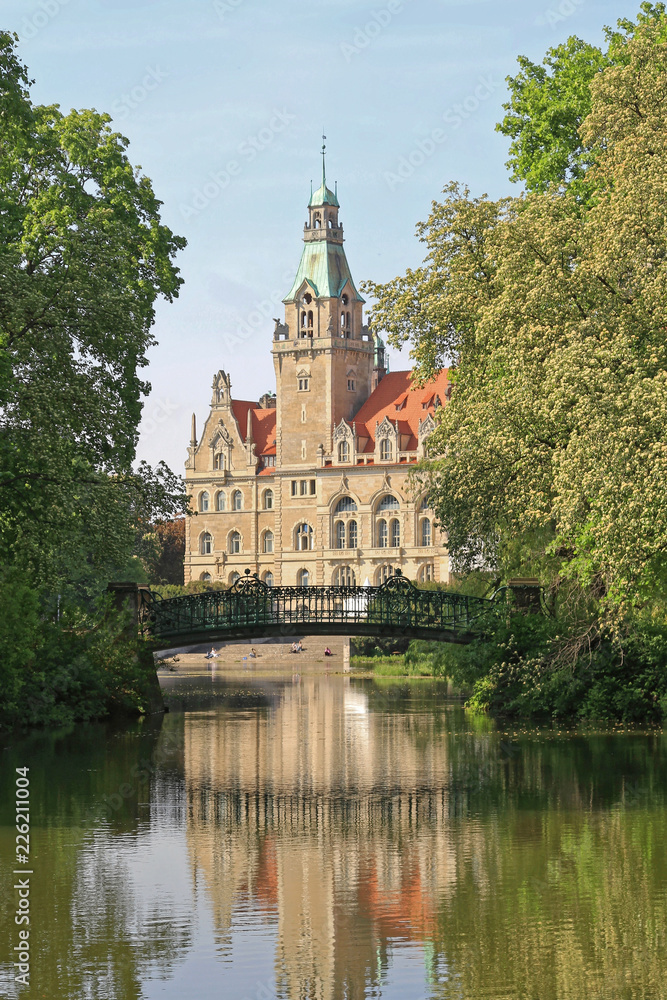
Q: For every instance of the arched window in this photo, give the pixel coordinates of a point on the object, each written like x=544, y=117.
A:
x=395, y=533
x=424, y=504
x=310, y=319
x=234, y=577
x=344, y=451
x=206, y=577
x=352, y=535
x=267, y=542
x=388, y=502
x=318, y=222
x=344, y=577
x=303, y=320
x=340, y=535
x=383, y=574
x=303, y=537
x=221, y=501
x=344, y=299
x=203, y=502
x=268, y=578
x=237, y=500
x=344, y=505
x=382, y=533
x=426, y=531
x=303, y=578
x=206, y=544
x=386, y=450
x=234, y=543
x=268, y=499
x=219, y=461
x=426, y=573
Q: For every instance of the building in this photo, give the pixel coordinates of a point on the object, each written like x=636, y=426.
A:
x=310, y=486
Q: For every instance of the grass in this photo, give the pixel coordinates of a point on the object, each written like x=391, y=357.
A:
x=390, y=666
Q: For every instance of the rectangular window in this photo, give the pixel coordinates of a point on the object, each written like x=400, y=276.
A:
x=304, y=487
x=295, y=486
x=313, y=487
x=304, y=384
x=351, y=384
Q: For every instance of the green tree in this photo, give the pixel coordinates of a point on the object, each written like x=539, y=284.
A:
x=549, y=102
x=83, y=257
x=550, y=457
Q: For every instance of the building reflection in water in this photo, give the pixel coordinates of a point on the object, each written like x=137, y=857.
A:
x=328, y=816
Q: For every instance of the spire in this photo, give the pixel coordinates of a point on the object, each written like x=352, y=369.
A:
x=324, y=173
x=193, y=432
x=248, y=435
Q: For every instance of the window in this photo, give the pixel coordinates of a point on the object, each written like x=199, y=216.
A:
x=352, y=535
x=345, y=504
x=340, y=535
x=206, y=577
x=395, y=533
x=303, y=537
x=237, y=500
x=269, y=462
x=268, y=542
x=234, y=543
x=426, y=573
x=386, y=450
x=344, y=299
x=351, y=384
x=206, y=544
x=295, y=488
x=221, y=501
x=302, y=578
x=424, y=504
x=383, y=574
x=268, y=578
x=203, y=501
x=382, y=533
x=268, y=499
x=234, y=577
x=344, y=451
x=388, y=502
x=304, y=384
x=219, y=461
x=426, y=532
x=344, y=577
x=313, y=487
x=304, y=487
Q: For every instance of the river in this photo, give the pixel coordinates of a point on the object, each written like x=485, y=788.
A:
x=318, y=835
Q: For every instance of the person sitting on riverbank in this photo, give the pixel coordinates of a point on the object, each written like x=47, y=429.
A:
x=253, y=653
x=212, y=655
x=327, y=652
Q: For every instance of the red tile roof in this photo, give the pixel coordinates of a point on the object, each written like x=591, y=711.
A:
x=397, y=399
x=263, y=425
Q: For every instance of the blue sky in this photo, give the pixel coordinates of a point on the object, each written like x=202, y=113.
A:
x=224, y=102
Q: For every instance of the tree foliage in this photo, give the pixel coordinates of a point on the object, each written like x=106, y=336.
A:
x=551, y=457
x=83, y=258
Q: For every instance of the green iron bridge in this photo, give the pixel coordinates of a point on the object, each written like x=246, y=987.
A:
x=250, y=609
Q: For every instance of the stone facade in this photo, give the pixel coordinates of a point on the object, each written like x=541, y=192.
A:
x=311, y=486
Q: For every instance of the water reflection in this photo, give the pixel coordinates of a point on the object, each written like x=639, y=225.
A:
x=322, y=837
x=370, y=821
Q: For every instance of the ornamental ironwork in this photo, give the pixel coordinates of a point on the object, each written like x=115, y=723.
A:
x=252, y=608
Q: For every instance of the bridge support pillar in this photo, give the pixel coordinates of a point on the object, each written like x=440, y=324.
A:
x=130, y=597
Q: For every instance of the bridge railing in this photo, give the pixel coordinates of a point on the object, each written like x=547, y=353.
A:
x=251, y=605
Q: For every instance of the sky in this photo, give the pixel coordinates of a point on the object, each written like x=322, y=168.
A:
x=225, y=103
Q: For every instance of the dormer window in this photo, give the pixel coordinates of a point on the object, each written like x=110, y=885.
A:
x=386, y=450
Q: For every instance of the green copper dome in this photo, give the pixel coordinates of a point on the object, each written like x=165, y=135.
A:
x=323, y=196
x=324, y=266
